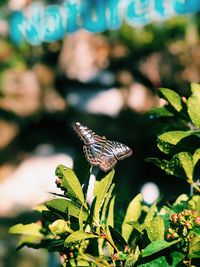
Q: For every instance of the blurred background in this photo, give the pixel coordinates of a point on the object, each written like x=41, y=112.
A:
x=107, y=81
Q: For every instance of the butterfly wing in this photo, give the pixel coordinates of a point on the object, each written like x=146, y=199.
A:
x=86, y=135
x=99, y=154
x=119, y=150
x=93, y=153
x=107, y=162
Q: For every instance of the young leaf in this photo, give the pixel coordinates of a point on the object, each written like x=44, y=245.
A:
x=132, y=214
x=78, y=236
x=172, y=97
x=156, y=229
x=71, y=183
x=100, y=192
x=65, y=206
x=157, y=246
x=32, y=229
x=193, y=104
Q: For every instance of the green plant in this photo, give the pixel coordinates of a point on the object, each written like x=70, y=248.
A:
x=87, y=235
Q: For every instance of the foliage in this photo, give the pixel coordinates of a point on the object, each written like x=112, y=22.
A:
x=86, y=235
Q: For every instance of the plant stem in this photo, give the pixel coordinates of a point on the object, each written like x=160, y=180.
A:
x=92, y=179
x=109, y=241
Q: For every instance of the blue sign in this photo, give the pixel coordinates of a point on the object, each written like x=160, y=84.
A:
x=37, y=23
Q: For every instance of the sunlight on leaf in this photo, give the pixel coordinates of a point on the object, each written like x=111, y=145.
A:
x=132, y=214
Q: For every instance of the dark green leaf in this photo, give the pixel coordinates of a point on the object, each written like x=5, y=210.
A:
x=158, y=262
x=118, y=239
x=175, y=260
x=156, y=246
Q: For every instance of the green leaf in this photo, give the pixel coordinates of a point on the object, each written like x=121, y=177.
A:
x=78, y=236
x=78, y=262
x=172, y=97
x=196, y=156
x=180, y=204
x=163, y=261
x=66, y=206
x=106, y=203
x=194, y=247
x=167, y=141
x=110, y=218
x=29, y=241
x=100, y=192
x=132, y=257
x=133, y=213
x=193, y=104
x=110, y=221
x=156, y=229
x=156, y=246
x=177, y=258
x=150, y=214
x=32, y=229
x=70, y=182
x=160, y=112
x=181, y=165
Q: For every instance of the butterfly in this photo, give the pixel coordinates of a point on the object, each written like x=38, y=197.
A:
x=98, y=150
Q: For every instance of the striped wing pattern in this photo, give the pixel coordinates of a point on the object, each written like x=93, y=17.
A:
x=99, y=151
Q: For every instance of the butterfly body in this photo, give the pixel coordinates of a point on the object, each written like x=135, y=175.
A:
x=98, y=150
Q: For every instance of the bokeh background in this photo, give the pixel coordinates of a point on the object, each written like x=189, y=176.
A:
x=107, y=81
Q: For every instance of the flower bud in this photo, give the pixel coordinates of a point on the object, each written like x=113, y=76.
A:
x=197, y=220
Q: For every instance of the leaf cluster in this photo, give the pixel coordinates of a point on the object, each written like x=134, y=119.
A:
x=182, y=144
